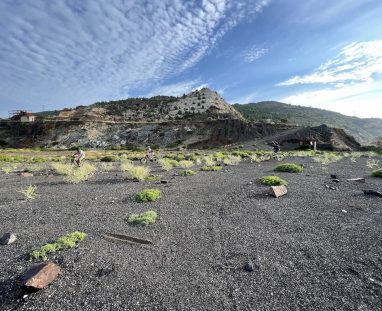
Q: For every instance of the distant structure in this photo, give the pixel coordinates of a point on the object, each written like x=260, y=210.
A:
x=22, y=116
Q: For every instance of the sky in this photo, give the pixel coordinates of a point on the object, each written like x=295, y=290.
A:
x=318, y=53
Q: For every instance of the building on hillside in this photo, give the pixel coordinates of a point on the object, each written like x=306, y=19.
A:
x=22, y=116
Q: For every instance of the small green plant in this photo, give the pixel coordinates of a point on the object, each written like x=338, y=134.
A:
x=153, y=178
x=29, y=193
x=186, y=164
x=211, y=168
x=135, y=172
x=289, y=167
x=145, y=218
x=148, y=195
x=273, y=181
x=255, y=158
x=377, y=173
x=67, y=241
x=187, y=173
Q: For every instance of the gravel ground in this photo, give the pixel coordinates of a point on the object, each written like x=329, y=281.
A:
x=313, y=249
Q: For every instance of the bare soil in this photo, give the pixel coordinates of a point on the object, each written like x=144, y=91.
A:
x=313, y=249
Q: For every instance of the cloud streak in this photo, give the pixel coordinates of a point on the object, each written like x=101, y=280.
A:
x=357, y=62
x=87, y=50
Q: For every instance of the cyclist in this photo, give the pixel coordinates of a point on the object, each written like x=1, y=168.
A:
x=276, y=146
x=150, y=154
x=78, y=156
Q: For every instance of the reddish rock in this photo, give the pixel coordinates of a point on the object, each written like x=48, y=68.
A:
x=41, y=275
x=26, y=174
x=278, y=191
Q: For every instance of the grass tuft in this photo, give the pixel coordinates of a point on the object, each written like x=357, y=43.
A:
x=29, y=193
x=186, y=164
x=145, y=218
x=168, y=164
x=289, y=167
x=148, y=195
x=187, y=173
x=232, y=160
x=135, y=172
x=273, y=181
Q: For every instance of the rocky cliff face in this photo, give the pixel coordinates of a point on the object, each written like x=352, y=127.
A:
x=200, y=118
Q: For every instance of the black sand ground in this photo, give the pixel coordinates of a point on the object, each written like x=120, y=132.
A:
x=313, y=249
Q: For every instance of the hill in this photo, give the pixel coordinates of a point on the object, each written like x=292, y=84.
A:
x=364, y=130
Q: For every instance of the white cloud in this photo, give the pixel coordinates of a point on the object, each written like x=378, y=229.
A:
x=352, y=79
x=80, y=51
x=253, y=54
x=357, y=62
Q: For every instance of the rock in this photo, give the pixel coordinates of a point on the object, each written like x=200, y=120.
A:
x=333, y=176
x=372, y=192
x=330, y=187
x=344, y=211
x=249, y=266
x=357, y=179
x=8, y=238
x=335, y=180
x=278, y=191
x=164, y=181
x=26, y=174
x=41, y=275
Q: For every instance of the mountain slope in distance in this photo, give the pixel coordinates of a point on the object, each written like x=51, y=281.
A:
x=364, y=130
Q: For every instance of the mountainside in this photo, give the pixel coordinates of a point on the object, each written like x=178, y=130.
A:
x=364, y=130
x=200, y=118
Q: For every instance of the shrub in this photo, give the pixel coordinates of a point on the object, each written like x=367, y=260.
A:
x=29, y=193
x=67, y=241
x=273, y=181
x=377, y=173
x=187, y=173
x=78, y=174
x=211, y=168
x=61, y=168
x=148, y=195
x=186, y=164
x=232, y=160
x=135, y=172
x=289, y=167
x=168, y=164
x=372, y=163
x=145, y=218
x=208, y=160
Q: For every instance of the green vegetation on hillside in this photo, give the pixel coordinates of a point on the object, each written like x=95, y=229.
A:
x=364, y=130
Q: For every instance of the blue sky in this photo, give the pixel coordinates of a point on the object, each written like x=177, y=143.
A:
x=65, y=53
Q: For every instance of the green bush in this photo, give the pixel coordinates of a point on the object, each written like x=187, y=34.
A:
x=67, y=241
x=148, y=195
x=145, y=218
x=153, y=178
x=289, y=167
x=187, y=173
x=377, y=173
x=211, y=168
x=273, y=181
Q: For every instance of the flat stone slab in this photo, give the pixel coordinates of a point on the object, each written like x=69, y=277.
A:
x=41, y=275
x=8, y=238
x=357, y=179
x=278, y=191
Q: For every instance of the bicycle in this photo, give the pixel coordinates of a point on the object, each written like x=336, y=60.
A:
x=147, y=158
x=275, y=155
